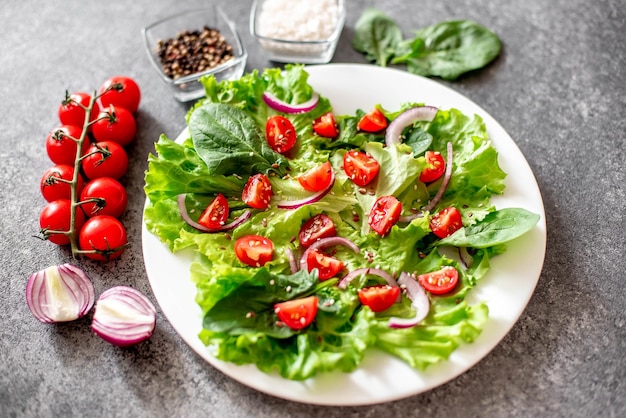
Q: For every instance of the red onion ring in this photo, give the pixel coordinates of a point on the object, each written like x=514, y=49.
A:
x=327, y=242
x=295, y=204
x=284, y=107
x=419, y=301
x=444, y=184
x=293, y=263
x=407, y=118
x=364, y=271
x=182, y=208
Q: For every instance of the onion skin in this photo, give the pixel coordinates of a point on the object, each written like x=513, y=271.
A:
x=59, y=294
x=419, y=301
x=407, y=118
x=284, y=107
x=183, y=213
x=124, y=316
x=295, y=204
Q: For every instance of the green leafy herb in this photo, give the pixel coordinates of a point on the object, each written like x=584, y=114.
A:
x=377, y=36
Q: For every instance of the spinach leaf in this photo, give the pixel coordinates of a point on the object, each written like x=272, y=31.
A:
x=419, y=140
x=496, y=228
x=377, y=36
x=228, y=140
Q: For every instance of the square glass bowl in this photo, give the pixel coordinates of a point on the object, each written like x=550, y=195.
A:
x=282, y=35
x=188, y=87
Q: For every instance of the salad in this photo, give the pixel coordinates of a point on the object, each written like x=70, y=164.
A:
x=311, y=248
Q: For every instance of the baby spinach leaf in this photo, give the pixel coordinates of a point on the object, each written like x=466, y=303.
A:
x=419, y=140
x=377, y=36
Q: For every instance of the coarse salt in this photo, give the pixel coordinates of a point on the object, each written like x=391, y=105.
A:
x=298, y=20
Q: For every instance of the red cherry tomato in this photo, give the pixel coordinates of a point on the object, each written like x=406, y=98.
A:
x=216, y=214
x=56, y=216
x=326, y=126
x=362, y=168
x=115, y=124
x=254, y=250
x=436, y=167
x=72, y=109
x=257, y=192
x=317, y=178
x=104, y=234
x=110, y=194
x=374, y=121
x=380, y=297
x=384, y=214
x=54, y=184
x=441, y=281
x=60, y=146
x=297, y=313
x=318, y=227
x=326, y=265
x=105, y=159
x=446, y=222
x=280, y=133
x=123, y=92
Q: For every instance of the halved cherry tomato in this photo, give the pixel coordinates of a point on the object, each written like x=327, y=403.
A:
x=257, y=192
x=318, y=227
x=105, y=159
x=384, y=214
x=379, y=298
x=318, y=178
x=441, y=281
x=216, y=214
x=436, y=167
x=110, y=194
x=254, y=250
x=56, y=216
x=361, y=167
x=446, y=222
x=280, y=133
x=123, y=92
x=326, y=126
x=55, y=182
x=105, y=234
x=115, y=124
x=60, y=148
x=72, y=109
x=327, y=266
x=297, y=313
x=374, y=121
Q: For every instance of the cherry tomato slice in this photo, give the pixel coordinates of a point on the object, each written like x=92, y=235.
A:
x=60, y=146
x=441, y=281
x=104, y=234
x=326, y=265
x=326, y=126
x=123, y=91
x=384, y=214
x=115, y=124
x=55, y=184
x=436, y=167
x=318, y=227
x=56, y=216
x=105, y=159
x=317, y=178
x=362, y=168
x=280, y=133
x=374, y=121
x=254, y=250
x=379, y=298
x=257, y=192
x=446, y=222
x=216, y=214
x=297, y=313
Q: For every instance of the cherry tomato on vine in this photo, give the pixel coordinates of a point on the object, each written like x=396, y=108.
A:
x=216, y=214
x=374, y=121
x=318, y=227
x=441, y=281
x=326, y=126
x=115, y=124
x=254, y=250
x=257, y=192
x=280, y=133
x=72, y=109
x=297, y=313
x=436, y=167
x=56, y=216
x=327, y=266
x=105, y=234
x=60, y=146
x=317, y=178
x=105, y=159
x=384, y=214
x=380, y=297
x=361, y=167
x=55, y=182
x=446, y=222
x=111, y=195
x=124, y=92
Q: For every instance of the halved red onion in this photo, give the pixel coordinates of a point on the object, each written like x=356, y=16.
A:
x=364, y=271
x=59, y=294
x=182, y=208
x=317, y=196
x=327, y=242
x=407, y=118
x=123, y=316
x=419, y=301
x=282, y=106
x=444, y=184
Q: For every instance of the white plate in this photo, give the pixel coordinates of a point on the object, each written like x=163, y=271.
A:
x=506, y=289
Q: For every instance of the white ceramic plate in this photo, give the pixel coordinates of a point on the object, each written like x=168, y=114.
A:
x=506, y=289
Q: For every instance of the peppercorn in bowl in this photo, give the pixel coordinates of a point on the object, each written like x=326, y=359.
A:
x=189, y=45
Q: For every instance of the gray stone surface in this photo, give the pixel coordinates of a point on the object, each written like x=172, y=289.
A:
x=559, y=89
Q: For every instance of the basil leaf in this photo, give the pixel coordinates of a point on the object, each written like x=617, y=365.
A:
x=377, y=36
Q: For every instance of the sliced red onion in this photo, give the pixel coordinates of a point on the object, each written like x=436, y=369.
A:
x=466, y=257
x=409, y=218
x=282, y=106
x=419, y=301
x=407, y=118
x=327, y=242
x=293, y=263
x=123, y=316
x=364, y=271
x=182, y=208
x=317, y=196
x=444, y=184
x=59, y=294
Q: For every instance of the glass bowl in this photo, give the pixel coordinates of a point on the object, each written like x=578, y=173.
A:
x=186, y=87
x=303, y=47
